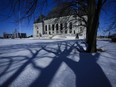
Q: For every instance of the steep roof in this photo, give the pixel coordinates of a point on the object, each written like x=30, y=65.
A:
x=63, y=9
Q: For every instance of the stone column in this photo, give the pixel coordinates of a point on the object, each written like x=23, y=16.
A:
x=51, y=28
x=54, y=28
x=47, y=29
x=73, y=28
x=63, y=26
x=59, y=29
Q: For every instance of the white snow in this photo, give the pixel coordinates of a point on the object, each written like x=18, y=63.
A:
x=62, y=37
x=56, y=63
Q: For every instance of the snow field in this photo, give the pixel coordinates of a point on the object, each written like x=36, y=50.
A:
x=55, y=63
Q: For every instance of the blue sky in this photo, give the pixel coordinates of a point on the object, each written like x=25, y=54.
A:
x=8, y=25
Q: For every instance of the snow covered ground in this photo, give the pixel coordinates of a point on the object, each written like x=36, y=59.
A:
x=56, y=63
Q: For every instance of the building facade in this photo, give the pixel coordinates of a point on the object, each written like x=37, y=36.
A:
x=67, y=25
x=56, y=23
x=15, y=34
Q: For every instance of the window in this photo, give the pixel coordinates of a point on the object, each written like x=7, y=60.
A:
x=46, y=28
x=56, y=28
x=74, y=31
x=53, y=28
x=65, y=26
x=61, y=28
x=70, y=27
x=65, y=31
x=49, y=27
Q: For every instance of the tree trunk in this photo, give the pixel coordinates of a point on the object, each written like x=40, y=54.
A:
x=93, y=23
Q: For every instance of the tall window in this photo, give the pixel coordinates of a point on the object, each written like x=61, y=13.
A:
x=49, y=30
x=70, y=27
x=45, y=29
x=53, y=28
x=74, y=31
x=61, y=27
x=65, y=25
x=56, y=28
x=49, y=27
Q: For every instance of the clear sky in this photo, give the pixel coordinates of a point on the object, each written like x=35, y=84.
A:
x=9, y=25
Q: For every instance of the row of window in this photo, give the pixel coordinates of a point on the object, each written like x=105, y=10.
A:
x=61, y=29
x=58, y=29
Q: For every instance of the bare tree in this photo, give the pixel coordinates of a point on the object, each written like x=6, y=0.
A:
x=91, y=8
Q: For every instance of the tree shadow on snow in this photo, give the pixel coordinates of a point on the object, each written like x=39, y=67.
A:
x=88, y=73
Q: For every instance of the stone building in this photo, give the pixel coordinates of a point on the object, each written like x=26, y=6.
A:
x=59, y=22
x=15, y=34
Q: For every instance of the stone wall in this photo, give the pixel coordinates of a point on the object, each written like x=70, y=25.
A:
x=67, y=25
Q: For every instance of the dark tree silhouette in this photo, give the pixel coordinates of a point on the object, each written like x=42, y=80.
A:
x=90, y=8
